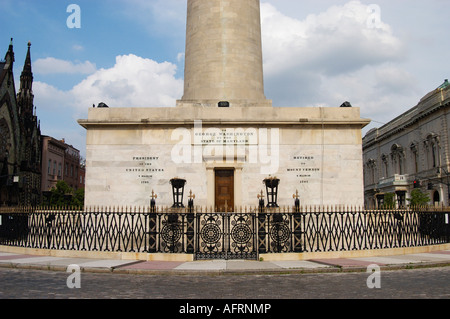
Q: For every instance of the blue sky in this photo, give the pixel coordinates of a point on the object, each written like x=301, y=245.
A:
x=316, y=53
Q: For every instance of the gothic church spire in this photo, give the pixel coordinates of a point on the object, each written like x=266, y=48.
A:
x=25, y=96
x=26, y=79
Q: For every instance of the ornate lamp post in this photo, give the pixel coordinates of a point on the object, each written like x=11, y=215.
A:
x=178, y=192
x=296, y=196
x=272, y=191
x=153, y=202
x=261, y=202
x=191, y=201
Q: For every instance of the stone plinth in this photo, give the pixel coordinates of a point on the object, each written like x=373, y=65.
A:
x=132, y=151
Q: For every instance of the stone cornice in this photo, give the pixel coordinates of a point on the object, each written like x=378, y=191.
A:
x=234, y=116
x=87, y=123
x=407, y=119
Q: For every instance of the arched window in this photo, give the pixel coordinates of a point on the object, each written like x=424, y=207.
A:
x=384, y=160
x=415, y=156
x=432, y=146
x=397, y=156
x=371, y=167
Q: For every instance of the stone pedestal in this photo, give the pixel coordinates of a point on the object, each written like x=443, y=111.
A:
x=131, y=152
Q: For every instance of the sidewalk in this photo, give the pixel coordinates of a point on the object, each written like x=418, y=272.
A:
x=18, y=261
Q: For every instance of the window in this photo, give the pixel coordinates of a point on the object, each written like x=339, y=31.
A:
x=384, y=160
x=371, y=171
x=397, y=156
x=434, y=153
x=415, y=156
x=432, y=146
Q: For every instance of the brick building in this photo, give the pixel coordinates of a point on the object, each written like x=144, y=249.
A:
x=61, y=162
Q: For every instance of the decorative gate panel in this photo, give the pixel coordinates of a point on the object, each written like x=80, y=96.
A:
x=226, y=236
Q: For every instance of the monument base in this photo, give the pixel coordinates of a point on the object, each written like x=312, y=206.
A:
x=224, y=155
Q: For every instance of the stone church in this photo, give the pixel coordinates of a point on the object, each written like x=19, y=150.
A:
x=224, y=137
x=20, y=136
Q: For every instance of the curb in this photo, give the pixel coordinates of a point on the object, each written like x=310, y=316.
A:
x=225, y=272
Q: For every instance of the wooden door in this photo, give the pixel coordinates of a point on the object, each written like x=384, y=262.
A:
x=224, y=190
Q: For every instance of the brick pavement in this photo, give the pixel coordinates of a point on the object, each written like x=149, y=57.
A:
x=222, y=266
x=400, y=284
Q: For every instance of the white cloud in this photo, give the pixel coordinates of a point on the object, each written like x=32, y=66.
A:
x=380, y=91
x=180, y=56
x=323, y=59
x=48, y=97
x=334, y=56
x=77, y=47
x=394, y=80
x=52, y=65
x=132, y=82
x=333, y=42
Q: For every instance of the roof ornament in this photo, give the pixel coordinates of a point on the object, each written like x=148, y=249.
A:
x=444, y=85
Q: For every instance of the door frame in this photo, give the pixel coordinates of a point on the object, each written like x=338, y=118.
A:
x=222, y=169
x=211, y=183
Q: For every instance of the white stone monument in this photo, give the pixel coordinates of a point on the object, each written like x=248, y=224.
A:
x=224, y=137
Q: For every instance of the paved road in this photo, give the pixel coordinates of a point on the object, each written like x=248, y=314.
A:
x=405, y=284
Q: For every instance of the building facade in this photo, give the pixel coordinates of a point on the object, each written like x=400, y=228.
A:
x=411, y=151
x=60, y=162
x=53, y=152
x=20, y=136
x=72, y=166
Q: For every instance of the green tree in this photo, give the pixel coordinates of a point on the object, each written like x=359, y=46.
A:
x=389, y=201
x=62, y=195
x=418, y=198
x=78, y=198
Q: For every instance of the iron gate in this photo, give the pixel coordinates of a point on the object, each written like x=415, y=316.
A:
x=226, y=236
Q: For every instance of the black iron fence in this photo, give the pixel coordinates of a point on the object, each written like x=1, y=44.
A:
x=207, y=234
